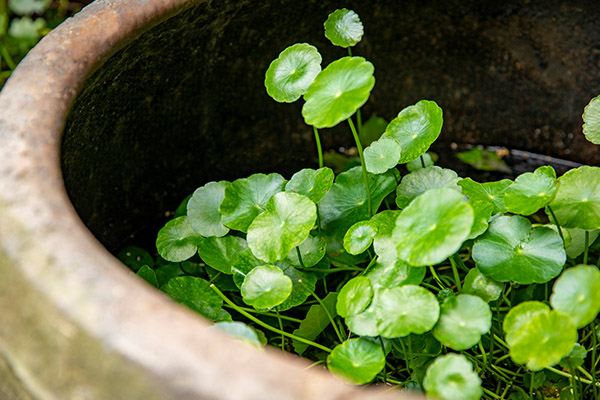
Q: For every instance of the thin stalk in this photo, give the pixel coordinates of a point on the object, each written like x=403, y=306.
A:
x=437, y=278
x=566, y=375
x=314, y=364
x=359, y=122
x=7, y=57
x=281, y=327
x=362, y=163
x=574, y=380
x=266, y=326
x=557, y=224
x=267, y=314
x=455, y=271
x=337, y=332
x=594, y=359
x=586, y=247
x=483, y=354
x=422, y=161
x=211, y=279
x=319, y=149
x=349, y=52
x=384, y=367
x=300, y=257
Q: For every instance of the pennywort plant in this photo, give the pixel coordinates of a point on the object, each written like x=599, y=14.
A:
x=426, y=281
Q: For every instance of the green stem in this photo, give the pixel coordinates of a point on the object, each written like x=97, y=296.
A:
x=337, y=332
x=566, y=375
x=586, y=247
x=573, y=380
x=557, y=225
x=362, y=163
x=300, y=257
x=7, y=57
x=594, y=356
x=483, y=354
x=266, y=326
x=422, y=161
x=281, y=327
x=359, y=122
x=437, y=278
x=384, y=369
x=267, y=314
x=319, y=149
x=349, y=52
x=455, y=271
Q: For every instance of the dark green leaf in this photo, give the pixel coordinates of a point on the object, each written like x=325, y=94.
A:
x=219, y=253
x=196, y=294
x=315, y=322
x=483, y=160
x=148, y=274
x=135, y=257
x=177, y=241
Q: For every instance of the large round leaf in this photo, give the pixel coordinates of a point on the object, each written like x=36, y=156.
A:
x=246, y=198
x=358, y=360
x=290, y=74
x=382, y=155
x=415, y=129
x=338, y=91
x=492, y=192
x=406, y=309
x=359, y=237
x=531, y=191
x=577, y=202
x=266, y=287
x=343, y=28
x=576, y=293
x=354, y=297
x=481, y=285
x=432, y=227
x=463, y=320
x=219, y=253
x=311, y=183
x=285, y=223
x=451, y=377
x=203, y=209
x=421, y=180
x=177, y=241
x=511, y=250
x=591, y=120
x=519, y=315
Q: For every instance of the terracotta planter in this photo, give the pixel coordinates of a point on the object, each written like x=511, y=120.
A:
x=133, y=102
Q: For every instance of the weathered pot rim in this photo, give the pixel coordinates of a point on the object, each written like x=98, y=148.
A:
x=48, y=246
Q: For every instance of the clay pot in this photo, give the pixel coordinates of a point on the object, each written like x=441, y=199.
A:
x=131, y=105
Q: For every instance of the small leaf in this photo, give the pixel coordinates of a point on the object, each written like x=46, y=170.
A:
x=343, y=28
x=311, y=183
x=591, y=121
x=148, y=274
x=575, y=358
x=219, y=253
x=203, y=210
x=490, y=191
x=315, y=322
x=389, y=276
x=303, y=284
x=338, y=91
x=531, y=191
x=382, y=155
x=423, y=179
x=463, y=319
x=354, y=297
x=240, y=331
x=290, y=74
x=358, y=360
x=27, y=29
x=483, y=160
x=519, y=315
x=177, y=241
x=576, y=293
x=196, y=294
x=359, y=237
x=135, y=257
x=266, y=287
x=483, y=286
x=312, y=250
x=451, y=377
x=415, y=129
x=482, y=213
x=28, y=7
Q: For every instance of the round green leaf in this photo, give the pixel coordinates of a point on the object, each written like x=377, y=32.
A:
x=575, y=358
x=338, y=91
x=148, y=274
x=246, y=198
x=591, y=120
x=240, y=331
x=577, y=202
x=423, y=179
x=576, y=293
x=343, y=28
x=359, y=237
x=406, y=309
x=531, y=191
x=358, y=360
x=285, y=223
x=432, y=227
x=290, y=74
x=575, y=240
x=483, y=286
x=203, y=210
x=266, y=287
x=382, y=155
x=543, y=340
x=219, y=253
x=451, y=377
x=311, y=183
x=415, y=129
x=303, y=284
x=354, y=297
x=492, y=192
x=312, y=250
x=511, y=250
x=463, y=319
x=519, y=315
x=389, y=276
x=177, y=241
x=482, y=213
x=196, y=294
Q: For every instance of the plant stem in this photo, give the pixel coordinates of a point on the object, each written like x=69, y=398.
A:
x=422, y=161
x=586, y=247
x=266, y=314
x=300, y=257
x=557, y=225
x=9, y=61
x=483, y=354
x=362, y=163
x=437, y=278
x=383, y=349
x=335, y=328
x=281, y=327
x=319, y=149
x=359, y=122
x=455, y=271
x=266, y=326
x=594, y=356
x=349, y=52
x=561, y=373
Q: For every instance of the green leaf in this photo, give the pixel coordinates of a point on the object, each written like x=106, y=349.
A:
x=290, y=74
x=25, y=28
x=166, y=272
x=203, y=210
x=312, y=250
x=219, y=253
x=359, y=237
x=148, y=274
x=354, y=297
x=196, y=294
x=372, y=129
x=531, y=191
x=315, y=322
x=432, y=227
x=285, y=223
x=575, y=240
x=382, y=155
x=134, y=257
x=577, y=202
x=338, y=91
x=240, y=331
x=519, y=315
x=576, y=293
x=389, y=276
x=511, y=250
x=575, y=358
x=358, y=360
x=311, y=183
x=416, y=164
x=423, y=179
x=591, y=121
x=28, y=7
x=266, y=287
x=483, y=286
x=482, y=213
x=246, y=198
x=451, y=377
x=177, y=241
x=543, y=340
x=483, y=160
x=490, y=191
x=241, y=264
x=343, y=28
x=415, y=129
x=4, y=20
x=406, y=309
x=303, y=284
x=463, y=319
x=346, y=203
x=181, y=209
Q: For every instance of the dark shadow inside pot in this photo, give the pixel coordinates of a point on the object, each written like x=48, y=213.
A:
x=185, y=103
